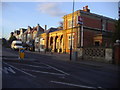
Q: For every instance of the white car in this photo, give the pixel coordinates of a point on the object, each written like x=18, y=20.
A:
x=16, y=45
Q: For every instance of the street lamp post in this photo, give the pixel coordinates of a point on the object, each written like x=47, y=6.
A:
x=72, y=32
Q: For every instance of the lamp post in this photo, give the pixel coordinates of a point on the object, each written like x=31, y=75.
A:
x=119, y=10
x=72, y=32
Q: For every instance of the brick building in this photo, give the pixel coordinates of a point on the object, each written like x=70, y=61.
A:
x=97, y=31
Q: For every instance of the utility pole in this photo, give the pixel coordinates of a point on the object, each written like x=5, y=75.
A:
x=72, y=31
x=119, y=10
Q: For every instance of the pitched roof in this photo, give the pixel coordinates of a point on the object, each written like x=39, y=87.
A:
x=52, y=30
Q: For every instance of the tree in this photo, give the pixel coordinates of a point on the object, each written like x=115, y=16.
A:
x=60, y=25
x=12, y=38
x=4, y=41
x=116, y=35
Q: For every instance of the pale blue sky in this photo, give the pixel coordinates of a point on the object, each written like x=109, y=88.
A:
x=17, y=15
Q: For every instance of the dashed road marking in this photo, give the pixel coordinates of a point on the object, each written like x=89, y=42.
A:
x=55, y=68
x=20, y=70
x=34, y=66
x=75, y=85
x=44, y=72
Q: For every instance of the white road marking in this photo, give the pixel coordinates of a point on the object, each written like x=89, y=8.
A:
x=8, y=69
x=19, y=70
x=33, y=65
x=55, y=68
x=70, y=84
x=44, y=72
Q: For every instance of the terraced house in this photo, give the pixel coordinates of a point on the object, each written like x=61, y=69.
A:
x=88, y=30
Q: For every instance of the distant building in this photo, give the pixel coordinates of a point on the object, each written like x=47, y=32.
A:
x=16, y=33
x=29, y=34
x=25, y=36
x=21, y=37
x=36, y=31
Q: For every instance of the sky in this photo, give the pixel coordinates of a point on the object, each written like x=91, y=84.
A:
x=17, y=15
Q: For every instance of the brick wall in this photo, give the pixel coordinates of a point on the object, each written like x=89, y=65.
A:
x=117, y=54
x=88, y=37
x=111, y=26
x=91, y=22
x=95, y=22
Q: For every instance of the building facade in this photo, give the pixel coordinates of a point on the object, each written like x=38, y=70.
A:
x=16, y=33
x=88, y=30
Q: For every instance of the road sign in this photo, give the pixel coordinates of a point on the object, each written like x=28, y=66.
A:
x=80, y=20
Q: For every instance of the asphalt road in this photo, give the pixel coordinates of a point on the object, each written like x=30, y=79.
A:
x=46, y=72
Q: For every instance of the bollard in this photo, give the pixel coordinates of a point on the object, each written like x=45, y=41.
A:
x=21, y=53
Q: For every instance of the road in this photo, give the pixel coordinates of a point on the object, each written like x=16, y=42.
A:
x=42, y=71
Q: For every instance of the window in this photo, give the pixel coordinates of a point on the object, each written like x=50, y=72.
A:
x=70, y=23
x=18, y=44
x=69, y=41
x=42, y=46
x=103, y=25
x=34, y=35
x=97, y=43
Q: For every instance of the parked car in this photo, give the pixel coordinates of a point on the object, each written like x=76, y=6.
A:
x=16, y=45
x=25, y=46
x=31, y=47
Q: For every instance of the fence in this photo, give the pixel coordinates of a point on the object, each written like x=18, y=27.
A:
x=96, y=53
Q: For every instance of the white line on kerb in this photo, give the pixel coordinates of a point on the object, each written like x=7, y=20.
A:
x=19, y=70
x=44, y=72
x=70, y=84
x=55, y=69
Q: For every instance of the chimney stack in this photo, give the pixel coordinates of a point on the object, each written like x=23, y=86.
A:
x=86, y=9
x=45, y=27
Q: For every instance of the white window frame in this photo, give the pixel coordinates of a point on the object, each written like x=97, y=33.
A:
x=69, y=40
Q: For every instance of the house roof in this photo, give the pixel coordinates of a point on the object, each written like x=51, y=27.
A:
x=52, y=30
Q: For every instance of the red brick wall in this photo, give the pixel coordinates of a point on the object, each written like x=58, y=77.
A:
x=88, y=37
x=91, y=22
x=117, y=54
x=111, y=26
x=107, y=41
x=95, y=22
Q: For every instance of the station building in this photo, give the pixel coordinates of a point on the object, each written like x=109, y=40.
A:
x=87, y=30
